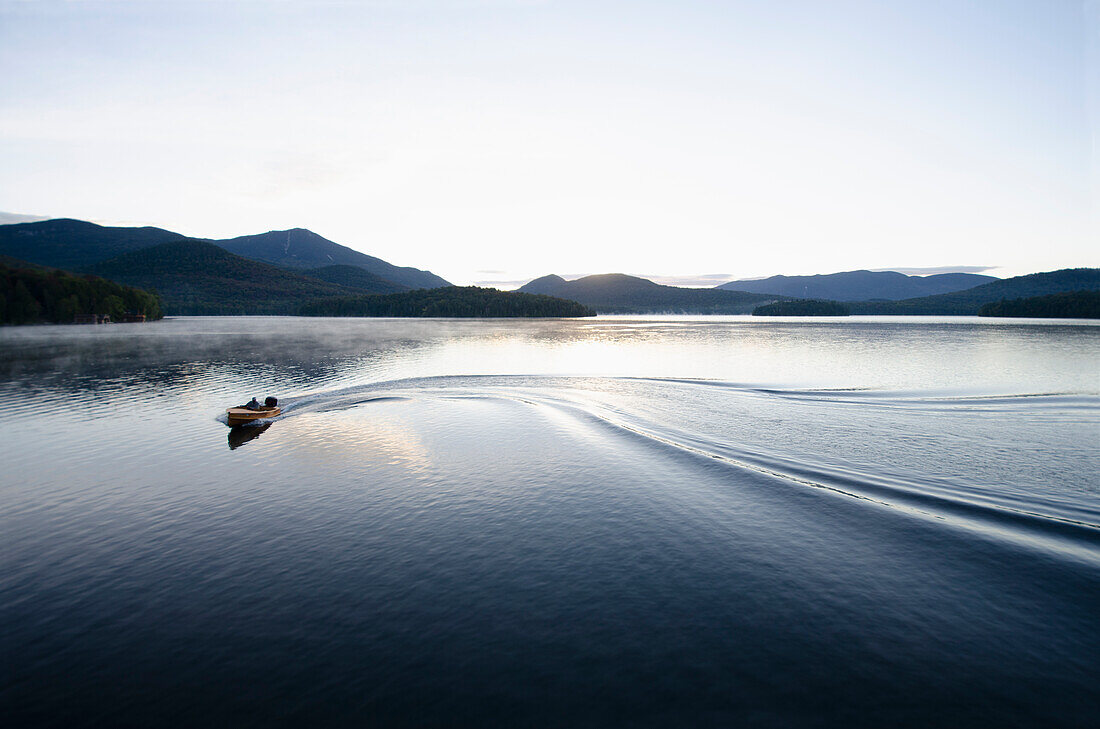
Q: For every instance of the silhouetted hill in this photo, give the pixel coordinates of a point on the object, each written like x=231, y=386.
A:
x=449, y=301
x=197, y=277
x=617, y=293
x=355, y=278
x=860, y=285
x=971, y=300
x=300, y=248
x=1072, y=305
x=75, y=244
x=546, y=285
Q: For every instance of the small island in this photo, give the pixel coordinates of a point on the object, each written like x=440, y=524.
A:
x=1071, y=305
x=448, y=301
x=802, y=307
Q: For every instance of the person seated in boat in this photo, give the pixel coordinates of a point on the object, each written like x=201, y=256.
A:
x=254, y=404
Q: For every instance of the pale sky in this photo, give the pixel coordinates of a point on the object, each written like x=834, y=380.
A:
x=500, y=140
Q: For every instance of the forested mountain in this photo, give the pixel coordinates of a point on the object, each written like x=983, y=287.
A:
x=13, y=262
x=355, y=278
x=860, y=285
x=75, y=244
x=32, y=295
x=1072, y=305
x=449, y=301
x=197, y=277
x=971, y=300
x=300, y=248
x=617, y=293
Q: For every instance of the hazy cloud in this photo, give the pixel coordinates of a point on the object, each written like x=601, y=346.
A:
x=503, y=285
x=9, y=218
x=698, y=280
x=702, y=280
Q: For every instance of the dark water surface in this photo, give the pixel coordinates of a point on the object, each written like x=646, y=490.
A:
x=611, y=522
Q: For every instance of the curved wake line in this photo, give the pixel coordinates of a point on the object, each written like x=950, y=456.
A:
x=854, y=395
x=974, y=512
x=816, y=477
x=954, y=503
x=907, y=399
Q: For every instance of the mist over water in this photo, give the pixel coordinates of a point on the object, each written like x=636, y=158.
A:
x=617, y=521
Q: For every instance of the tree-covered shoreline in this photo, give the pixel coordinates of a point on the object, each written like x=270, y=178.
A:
x=53, y=296
x=1071, y=305
x=802, y=307
x=448, y=301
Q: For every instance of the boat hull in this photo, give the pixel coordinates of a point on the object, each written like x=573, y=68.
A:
x=242, y=416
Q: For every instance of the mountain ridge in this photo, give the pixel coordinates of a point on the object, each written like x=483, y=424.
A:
x=304, y=249
x=619, y=293
x=76, y=245
x=72, y=245
x=198, y=277
x=969, y=301
x=860, y=285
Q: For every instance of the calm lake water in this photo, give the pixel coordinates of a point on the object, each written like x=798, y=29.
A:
x=668, y=521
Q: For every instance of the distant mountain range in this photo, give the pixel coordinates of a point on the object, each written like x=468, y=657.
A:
x=620, y=294
x=617, y=293
x=969, y=301
x=860, y=285
x=281, y=271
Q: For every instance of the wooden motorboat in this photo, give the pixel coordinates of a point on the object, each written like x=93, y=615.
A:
x=241, y=415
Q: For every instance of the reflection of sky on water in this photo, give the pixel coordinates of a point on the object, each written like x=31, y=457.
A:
x=376, y=434
x=404, y=530
x=294, y=356
x=174, y=377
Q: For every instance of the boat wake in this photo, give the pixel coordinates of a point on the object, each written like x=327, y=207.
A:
x=993, y=465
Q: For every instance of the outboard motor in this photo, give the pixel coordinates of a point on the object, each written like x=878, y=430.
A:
x=271, y=402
